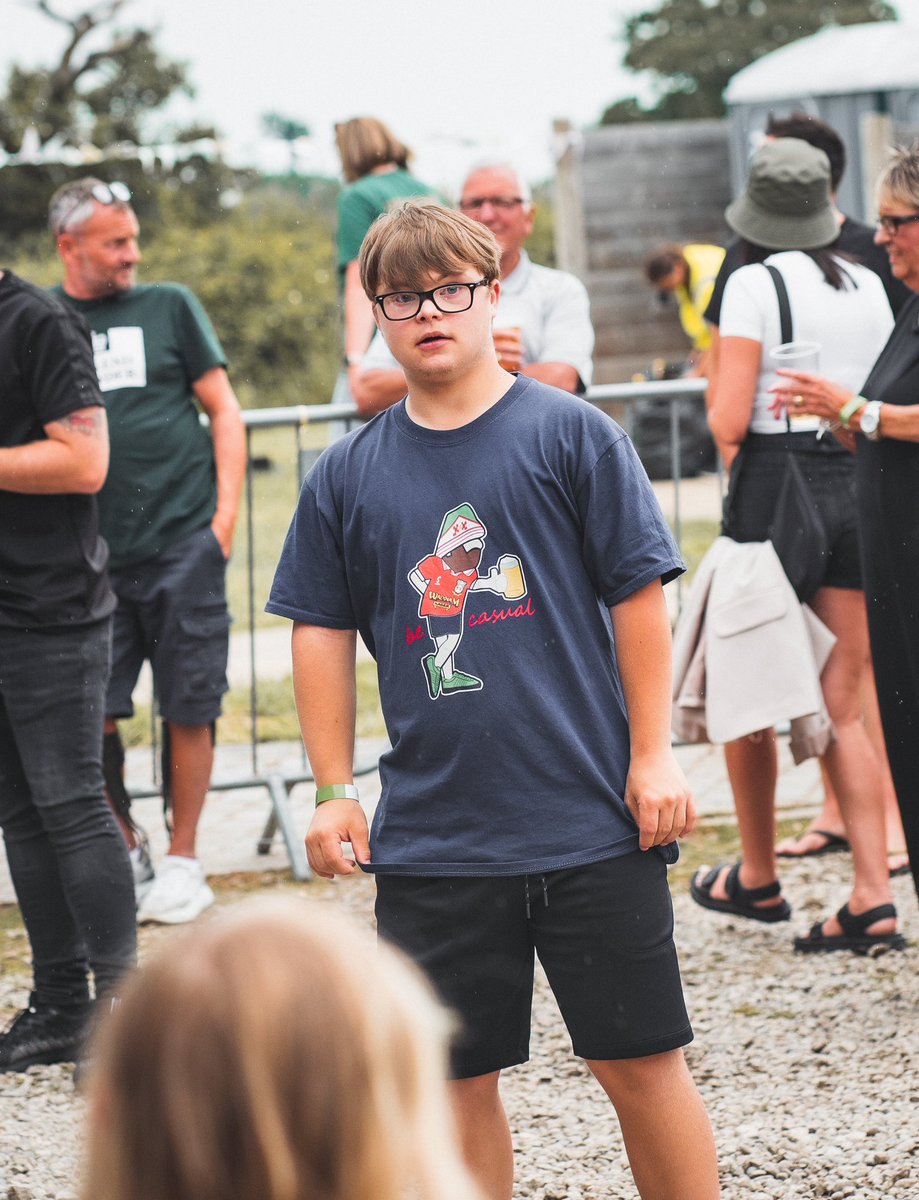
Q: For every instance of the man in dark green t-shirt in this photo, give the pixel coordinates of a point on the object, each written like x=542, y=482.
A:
x=168, y=511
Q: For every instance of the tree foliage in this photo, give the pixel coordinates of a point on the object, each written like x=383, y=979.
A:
x=265, y=275
x=286, y=129
x=693, y=47
x=101, y=89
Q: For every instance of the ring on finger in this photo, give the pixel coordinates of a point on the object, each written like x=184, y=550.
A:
x=798, y=401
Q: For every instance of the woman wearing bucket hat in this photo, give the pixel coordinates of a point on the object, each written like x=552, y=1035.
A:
x=883, y=429
x=788, y=224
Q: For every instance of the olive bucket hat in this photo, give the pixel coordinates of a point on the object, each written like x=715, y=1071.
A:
x=786, y=204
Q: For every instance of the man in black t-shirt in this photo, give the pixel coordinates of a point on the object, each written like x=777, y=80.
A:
x=168, y=511
x=67, y=860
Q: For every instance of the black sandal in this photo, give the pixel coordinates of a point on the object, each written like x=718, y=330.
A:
x=854, y=934
x=833, y=843
x=741, y=901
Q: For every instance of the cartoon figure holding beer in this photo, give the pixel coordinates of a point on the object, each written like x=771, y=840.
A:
x=443, y=580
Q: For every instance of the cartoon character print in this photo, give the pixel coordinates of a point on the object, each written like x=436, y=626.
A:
x=444, y=580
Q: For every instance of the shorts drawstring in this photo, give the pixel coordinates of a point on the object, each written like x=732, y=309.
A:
x=526, y=892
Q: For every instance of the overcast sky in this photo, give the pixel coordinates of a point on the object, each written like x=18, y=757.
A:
x=457, y=81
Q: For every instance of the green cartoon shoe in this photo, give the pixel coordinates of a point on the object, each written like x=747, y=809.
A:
x=433, y=675
x=460, y=682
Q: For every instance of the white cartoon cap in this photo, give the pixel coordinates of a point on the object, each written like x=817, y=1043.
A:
x=461, y=527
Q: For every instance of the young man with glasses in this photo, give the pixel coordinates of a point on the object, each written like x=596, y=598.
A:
x=531, y=800
x=168, y=511
x=542, y=327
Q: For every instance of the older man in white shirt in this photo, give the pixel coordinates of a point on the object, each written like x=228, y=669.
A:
x=542, y=327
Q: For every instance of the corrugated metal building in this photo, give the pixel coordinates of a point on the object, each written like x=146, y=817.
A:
x=862, y=79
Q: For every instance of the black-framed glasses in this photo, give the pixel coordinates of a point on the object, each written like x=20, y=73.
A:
x=479, y=202
x=449, y=298
x=892, y=225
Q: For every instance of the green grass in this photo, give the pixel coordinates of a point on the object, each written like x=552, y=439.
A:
x=274, y=494
x=697, y=537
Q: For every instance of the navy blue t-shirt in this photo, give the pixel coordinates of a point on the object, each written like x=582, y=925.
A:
x=478, y=565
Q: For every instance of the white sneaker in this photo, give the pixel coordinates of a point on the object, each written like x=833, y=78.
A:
x=179, y=893
x=142, y=867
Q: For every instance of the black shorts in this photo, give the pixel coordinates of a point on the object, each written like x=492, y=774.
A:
x=830, y=474
x=603, y=933
x=172, y=610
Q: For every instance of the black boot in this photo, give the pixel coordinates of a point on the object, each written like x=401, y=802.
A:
x=42, y=1034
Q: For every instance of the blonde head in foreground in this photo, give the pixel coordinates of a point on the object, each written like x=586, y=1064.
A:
x=275, y=1053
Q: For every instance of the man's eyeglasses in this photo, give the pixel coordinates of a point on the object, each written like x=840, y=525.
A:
x=503, y=202
x=892, y=225
x=449, y=298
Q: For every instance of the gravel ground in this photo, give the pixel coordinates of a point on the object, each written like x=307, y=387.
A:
x=809, y=1066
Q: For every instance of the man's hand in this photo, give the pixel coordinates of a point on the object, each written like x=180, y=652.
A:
x=223, y=528
x=336, y=822
x=660, y=800
x=217, y=398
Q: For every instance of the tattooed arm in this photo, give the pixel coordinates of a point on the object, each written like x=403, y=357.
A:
x=72, y=458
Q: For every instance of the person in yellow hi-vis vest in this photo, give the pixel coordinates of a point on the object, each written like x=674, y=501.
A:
x=688, y=272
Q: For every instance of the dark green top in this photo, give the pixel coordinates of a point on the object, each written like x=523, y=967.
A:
x=151, y=345
x=361, y=202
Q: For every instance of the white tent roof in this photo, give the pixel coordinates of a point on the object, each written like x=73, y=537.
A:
x=877, y=57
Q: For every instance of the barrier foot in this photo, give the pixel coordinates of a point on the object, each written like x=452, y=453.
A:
x=296, y=851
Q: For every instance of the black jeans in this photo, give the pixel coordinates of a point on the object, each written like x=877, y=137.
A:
x=67, y=858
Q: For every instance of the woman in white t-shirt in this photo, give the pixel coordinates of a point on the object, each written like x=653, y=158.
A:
x=787, y=220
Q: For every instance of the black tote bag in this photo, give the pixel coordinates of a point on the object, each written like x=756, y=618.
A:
x=796, y=532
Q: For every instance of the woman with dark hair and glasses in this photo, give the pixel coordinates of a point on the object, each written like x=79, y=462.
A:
x=881, y=424
x=788, y=224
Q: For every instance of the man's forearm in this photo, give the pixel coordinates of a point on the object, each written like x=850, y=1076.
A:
x=325, y=694
x=359, y=323
x=229, y=435
x=376, y=389
x=656, y=792
x=557, y=374
x=641, y=625
x=73, y=459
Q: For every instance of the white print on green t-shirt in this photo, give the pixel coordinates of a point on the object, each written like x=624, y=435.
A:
x=121, y=360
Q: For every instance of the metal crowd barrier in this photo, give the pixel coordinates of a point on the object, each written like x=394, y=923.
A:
x=619, y=399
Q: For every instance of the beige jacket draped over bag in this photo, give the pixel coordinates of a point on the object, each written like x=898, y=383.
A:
x=747, y=654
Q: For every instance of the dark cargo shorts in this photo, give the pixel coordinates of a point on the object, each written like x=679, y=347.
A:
x=603, y=933
x=172, y=610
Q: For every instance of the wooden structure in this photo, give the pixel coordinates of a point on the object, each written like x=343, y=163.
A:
x=621, y=191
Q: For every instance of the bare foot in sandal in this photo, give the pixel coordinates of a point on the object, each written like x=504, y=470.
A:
x=847, y=930
x=720, y=889
x=898, y=863
x=812, y=843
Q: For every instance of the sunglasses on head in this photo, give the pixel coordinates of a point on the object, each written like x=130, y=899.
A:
x=111, y=193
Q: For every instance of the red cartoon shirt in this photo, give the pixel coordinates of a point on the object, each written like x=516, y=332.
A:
x=445, y=591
